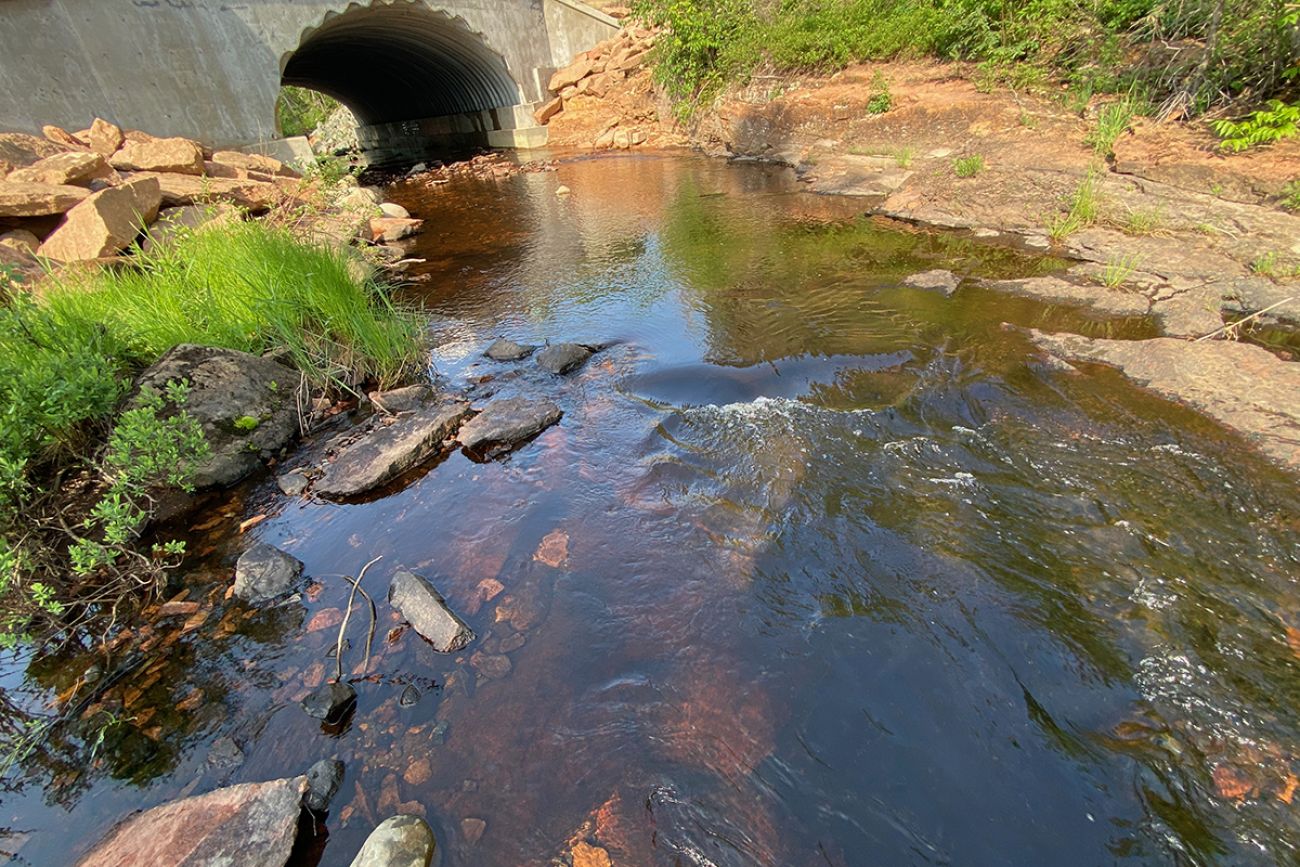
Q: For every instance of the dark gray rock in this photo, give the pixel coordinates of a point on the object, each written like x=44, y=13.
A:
x=427, y=612
x=225, y=386
x=937, y=281
x=408, y=399
x=503, y=424
x=402, y=841
x=387, y=452
x=330, y=702
x=225, y=754
x=410, y=697
x=561, y=358
x=264, y=573
x=323, y=781
x=508, y=350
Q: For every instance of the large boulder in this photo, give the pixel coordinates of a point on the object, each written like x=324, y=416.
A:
x=253, y=163
x=179, y=155
x=172, y=223
x=504, y=424
x=182, y=189
x=402, y=841
x=264, y=573
x=243, y=402
x=105, y=223
x=20, y=149
x=569, y=75
x=105, y=138
x=70, y=167
x=38, y=200
x=427, y=612
x=385, y=230
x=252, y=824
x=388, y=451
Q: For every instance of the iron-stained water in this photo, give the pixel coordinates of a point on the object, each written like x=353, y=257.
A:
x=816, y=569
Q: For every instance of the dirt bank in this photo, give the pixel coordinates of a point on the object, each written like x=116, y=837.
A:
x=1170, y=225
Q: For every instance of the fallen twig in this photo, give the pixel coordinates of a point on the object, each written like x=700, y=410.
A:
x=343, y=627
x=1232, y=327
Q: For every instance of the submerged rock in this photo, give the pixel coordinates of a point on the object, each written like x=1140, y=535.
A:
x=937, y=280
x=330, y=702
x=503, y=424
x=561, y=358
x=508, y=350
x=227, y=385
x=264, y=573
x=323, y=781
x=427, y=612
x=1244, y=387
x=407, y=399
x=387, y=452
x=292, y=484
x=252, y=824
x=402, y=841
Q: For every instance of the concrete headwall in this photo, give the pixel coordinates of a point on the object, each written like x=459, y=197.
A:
x=211, y=69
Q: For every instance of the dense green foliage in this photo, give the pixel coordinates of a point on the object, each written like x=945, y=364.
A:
x=1270, y=124
x=299, y=111
x=1197, y=52
x=71, y=509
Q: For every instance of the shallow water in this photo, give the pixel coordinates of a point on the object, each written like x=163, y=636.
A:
x=816, y=569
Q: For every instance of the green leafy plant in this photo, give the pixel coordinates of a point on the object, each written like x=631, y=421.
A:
x=1113, y=120
x=299, y=111
x=246, y=424
x=880, y=100
x=968, y=167
x=1264, y=127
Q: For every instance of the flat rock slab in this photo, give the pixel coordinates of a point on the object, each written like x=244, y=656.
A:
x=1058, y=290
x=387, y=452
x=424, y=608
x=508, y=350
x=504, y=424
x=227, y=385
x=401, y=841
x=38, y=200
x=1244, y=387
x=562, y=358
x=935, y=281
x=407, y=399
x=253, y=825
x=264, y=573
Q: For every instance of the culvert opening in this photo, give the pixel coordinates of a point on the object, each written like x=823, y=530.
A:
x=401, y=63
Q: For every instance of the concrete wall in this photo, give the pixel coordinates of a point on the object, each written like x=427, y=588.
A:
x=211, y=69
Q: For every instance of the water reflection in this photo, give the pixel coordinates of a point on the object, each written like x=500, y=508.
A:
x=816, y=569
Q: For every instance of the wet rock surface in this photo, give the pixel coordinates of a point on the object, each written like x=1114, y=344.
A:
x=937, y=280
x=252, y=824
x=508, y=350
x=330, y=702
x=391, y=450
x=323, y=781
x=562, y=358
x=264, y=573
x=504, y=424
x=424, y=608
x=402, y=841
x=227, y=385
x=407, y=399
x=1244, y=387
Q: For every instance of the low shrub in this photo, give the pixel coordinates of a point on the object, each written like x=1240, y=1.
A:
x=968, y=167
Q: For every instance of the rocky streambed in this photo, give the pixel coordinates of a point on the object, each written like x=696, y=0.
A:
x=821, y=548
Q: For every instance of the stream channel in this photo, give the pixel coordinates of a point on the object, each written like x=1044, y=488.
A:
x=817, y=569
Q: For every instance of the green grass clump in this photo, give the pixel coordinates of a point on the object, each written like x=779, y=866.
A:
x=249, y=287
x=968, y=167
x=1113, y=120
x=1117, y=271
x=1143, y=221
x=1082, y=210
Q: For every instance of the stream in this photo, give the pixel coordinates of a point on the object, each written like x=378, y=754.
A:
x=817, y=569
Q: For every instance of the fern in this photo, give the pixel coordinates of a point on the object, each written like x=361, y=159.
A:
x=1266, y=126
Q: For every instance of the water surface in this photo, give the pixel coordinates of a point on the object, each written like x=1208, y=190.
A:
x=816, y=569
